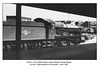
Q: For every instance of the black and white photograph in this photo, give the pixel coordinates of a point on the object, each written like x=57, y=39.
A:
x=49, y=31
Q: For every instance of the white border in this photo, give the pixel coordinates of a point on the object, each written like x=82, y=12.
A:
x=76, y=64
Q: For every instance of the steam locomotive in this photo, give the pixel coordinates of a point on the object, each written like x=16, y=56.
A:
x=40, y=33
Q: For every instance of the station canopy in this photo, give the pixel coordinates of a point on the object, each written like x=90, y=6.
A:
x=84, y=9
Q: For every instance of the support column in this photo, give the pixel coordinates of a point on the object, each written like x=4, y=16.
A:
x=18, y=31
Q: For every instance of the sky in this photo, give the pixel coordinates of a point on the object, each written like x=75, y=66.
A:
x=32, y=12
